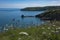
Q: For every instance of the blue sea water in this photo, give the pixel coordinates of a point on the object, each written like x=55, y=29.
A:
x=10, y=16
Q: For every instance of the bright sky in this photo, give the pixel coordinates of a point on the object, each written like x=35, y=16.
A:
x=28, y=3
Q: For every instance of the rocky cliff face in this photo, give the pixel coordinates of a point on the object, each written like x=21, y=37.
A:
x=50, y=15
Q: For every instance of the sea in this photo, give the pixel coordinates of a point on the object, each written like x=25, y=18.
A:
x=12, y=17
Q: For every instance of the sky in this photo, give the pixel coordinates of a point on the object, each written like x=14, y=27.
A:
x=28, y=3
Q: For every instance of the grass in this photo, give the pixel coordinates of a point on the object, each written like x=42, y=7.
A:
x=50, y=31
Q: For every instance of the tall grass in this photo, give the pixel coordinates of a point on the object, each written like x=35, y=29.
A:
x=49, y=31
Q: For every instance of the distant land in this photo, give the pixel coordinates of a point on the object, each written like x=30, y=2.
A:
x=50, y=15
x=40, y=8
x=50, y=12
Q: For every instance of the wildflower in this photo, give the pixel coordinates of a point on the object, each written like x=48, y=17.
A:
x=25, y=33
x=49, y=33
x=54, y=25
x=5, y=29
x=48, y=27
x=11, y=26
x=43, y=32
x=56, y=31
x=19, y=38
x=58, y=27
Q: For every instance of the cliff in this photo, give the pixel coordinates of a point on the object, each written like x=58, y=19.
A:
x=50, y=15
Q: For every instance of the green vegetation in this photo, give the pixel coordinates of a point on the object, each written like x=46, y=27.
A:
x=50, y=15
x=40, y=8
x=49, y=31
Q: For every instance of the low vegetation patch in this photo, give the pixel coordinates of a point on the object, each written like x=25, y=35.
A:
x=49, y=31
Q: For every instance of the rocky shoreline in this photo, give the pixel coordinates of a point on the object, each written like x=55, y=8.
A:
x=50, y=15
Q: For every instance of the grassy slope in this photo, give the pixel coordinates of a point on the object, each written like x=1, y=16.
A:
x=44, y=32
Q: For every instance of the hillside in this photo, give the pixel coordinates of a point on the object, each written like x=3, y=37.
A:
x=40, y=8
x=50, y=15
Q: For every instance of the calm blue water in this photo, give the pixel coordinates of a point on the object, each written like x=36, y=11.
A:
x=13, y=16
